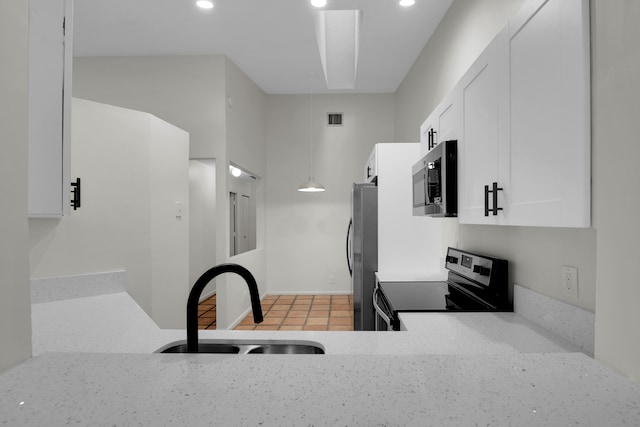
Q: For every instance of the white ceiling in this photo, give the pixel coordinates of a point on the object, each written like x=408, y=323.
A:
x=272, y=41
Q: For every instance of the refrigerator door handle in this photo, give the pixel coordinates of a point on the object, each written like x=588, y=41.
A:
x=349, y=254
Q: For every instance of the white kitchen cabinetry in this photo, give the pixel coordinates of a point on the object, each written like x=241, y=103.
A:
x=526, y=121
x=549, y=145
x=443, y=124
x=50, y=61
x=371, y=168
x=428, y=132
x=484, y=124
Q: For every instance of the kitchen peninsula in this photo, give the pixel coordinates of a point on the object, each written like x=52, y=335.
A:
x=101, y=371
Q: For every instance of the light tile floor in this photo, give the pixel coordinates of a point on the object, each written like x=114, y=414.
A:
x=292, y=312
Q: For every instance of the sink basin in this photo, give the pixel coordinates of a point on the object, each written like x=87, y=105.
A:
x=287, y=349
x=203, y=348
x=246, y=347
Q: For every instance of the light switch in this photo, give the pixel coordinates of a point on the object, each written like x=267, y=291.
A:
x=178, y=210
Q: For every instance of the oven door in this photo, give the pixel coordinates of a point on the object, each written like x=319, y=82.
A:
x=384, y=318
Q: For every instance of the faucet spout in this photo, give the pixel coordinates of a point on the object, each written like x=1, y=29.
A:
x=198, y=287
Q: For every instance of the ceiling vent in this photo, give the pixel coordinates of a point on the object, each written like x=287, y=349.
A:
x=334, y=119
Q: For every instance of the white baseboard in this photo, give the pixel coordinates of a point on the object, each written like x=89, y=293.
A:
x=206, y=296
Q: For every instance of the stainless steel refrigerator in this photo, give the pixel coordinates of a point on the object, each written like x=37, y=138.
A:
x=362, y=253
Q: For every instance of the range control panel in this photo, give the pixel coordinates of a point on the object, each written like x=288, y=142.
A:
x=477, y=268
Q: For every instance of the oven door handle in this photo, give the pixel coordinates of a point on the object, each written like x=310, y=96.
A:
x=379, y=310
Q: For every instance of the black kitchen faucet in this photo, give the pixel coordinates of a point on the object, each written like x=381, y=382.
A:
x=198, y=287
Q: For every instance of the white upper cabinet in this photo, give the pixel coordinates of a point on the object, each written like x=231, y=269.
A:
x=371, y=168
x=443, y=124
x=447, y=117
x=483, y=125
x=524, y=151
x=428, y=132
x=50, y=61
x=549, y=143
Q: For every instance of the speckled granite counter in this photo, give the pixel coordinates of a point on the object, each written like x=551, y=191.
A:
x=447, y=370
x=114, y=323
x=440, y=390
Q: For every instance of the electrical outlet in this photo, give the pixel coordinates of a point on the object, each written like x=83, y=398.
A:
x=570, y=281
x=332, y=280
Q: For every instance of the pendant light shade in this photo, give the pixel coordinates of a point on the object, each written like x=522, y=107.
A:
x=311, y=186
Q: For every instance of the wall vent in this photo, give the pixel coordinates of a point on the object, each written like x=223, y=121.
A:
x=334, y=119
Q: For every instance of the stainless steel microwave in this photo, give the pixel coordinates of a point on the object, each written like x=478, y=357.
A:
x=435, y=182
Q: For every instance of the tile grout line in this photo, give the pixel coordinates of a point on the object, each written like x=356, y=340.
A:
x=290, y=301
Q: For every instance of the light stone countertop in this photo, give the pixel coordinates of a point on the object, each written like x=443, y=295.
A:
x=114, y=323
x=555, y=389
x=447, y=370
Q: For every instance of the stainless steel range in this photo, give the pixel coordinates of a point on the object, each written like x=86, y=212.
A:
x=475, y=283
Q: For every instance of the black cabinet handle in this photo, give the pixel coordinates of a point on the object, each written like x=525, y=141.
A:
x=431, y=140
x=486, y=200
x=75, y=192
x=494, y=190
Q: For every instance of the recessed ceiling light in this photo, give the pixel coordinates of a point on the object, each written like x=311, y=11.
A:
x=319, y=3
x=406, y=3
x=205, y=4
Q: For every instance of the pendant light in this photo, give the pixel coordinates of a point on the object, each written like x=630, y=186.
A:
x=311, y=186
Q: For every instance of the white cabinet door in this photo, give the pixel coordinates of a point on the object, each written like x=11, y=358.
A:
x=443, y=124
x=548, y=146
x=481, y=129
x=50, y=59
x=371, y=168
x=428, y=130
x=526, y=121
x=448, y=117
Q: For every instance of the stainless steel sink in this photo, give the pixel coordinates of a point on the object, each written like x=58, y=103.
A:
x=202, y=348
x=287, y=349
x=247, y=347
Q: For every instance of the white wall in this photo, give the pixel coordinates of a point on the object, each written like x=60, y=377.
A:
x=191, y=92
x=186, y=91
x=536, y=255
x=306, y=232
x=169, y=245
x=202, y=219
x=134, y=168
x=15, y=309
x=246, y=147
x=616, y=109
